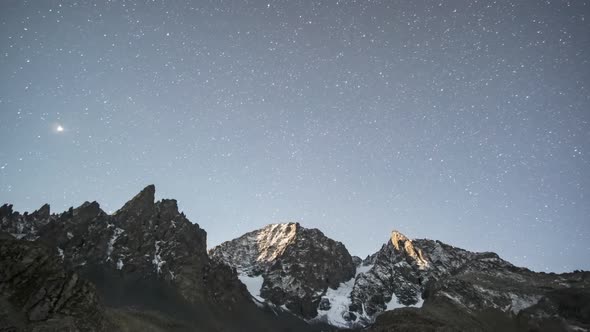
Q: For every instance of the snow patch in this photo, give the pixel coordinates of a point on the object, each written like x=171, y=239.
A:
x=363, y=269
x=339, y=302
x=454, y=298
x=158, y=261
x=419, y=303
x=110, y=245
x=490, y=259
x=486, y=291
x=522, y=302
x=253, y=284
x=394, y=303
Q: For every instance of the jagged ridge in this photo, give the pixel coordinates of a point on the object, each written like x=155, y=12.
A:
x=146, y=255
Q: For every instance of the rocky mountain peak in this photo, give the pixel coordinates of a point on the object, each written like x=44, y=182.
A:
x=5, y=210
x=405, y=246
x=87, y=210
x=396, y=237
x=42, y=212
x=273, y=240
x=288, y=265
x=143, y=238
x=140, y=203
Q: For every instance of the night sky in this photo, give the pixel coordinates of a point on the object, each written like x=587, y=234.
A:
x=463, y=121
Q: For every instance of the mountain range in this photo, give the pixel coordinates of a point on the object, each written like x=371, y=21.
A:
x=146, y=268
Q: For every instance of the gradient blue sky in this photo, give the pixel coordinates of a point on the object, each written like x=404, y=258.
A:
x=463, y=121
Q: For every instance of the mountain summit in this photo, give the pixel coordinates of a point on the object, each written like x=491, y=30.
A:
x=288, y=265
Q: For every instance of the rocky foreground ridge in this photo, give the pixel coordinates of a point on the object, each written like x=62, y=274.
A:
x=146, y=267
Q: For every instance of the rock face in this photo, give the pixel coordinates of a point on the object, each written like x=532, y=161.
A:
x=37, y=293
x=146, y=255
x=295, y=265
x=143, y=238
x=401, y=270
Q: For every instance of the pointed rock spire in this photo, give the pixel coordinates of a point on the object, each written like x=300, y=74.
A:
x=397, y=237
x=87, y=210
x=42, y=212
x=141, y=202
x=407, y=247
x=6, y=210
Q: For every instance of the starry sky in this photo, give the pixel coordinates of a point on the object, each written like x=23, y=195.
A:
x=463, y=121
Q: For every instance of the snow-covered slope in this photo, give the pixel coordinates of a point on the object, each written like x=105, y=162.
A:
x=335, y=303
